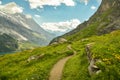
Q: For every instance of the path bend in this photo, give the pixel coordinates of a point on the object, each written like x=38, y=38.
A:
x=56, y=72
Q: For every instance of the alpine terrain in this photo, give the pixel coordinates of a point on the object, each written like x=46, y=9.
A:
x=89, y=52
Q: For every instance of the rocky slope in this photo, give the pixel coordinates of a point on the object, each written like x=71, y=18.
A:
x=23, y=29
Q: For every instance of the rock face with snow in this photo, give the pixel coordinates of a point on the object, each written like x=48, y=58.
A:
x=23, y=28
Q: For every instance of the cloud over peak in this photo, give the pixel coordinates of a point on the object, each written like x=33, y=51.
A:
x=11, y=8
x=41, y=3
x=61, y=27
x=85, y=1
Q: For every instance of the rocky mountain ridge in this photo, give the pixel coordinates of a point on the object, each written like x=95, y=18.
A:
x=23, y=29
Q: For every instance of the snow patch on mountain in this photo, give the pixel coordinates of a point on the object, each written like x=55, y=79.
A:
x=21, y=36
x=25, y=25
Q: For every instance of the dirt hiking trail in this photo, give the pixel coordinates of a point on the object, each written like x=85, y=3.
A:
x=56, y=72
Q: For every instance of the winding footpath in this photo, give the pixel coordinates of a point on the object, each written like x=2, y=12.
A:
x=56, y=72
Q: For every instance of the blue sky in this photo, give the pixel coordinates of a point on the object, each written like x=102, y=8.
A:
x=58, y=13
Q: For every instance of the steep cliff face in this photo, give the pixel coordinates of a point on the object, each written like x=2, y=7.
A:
x=105, y=20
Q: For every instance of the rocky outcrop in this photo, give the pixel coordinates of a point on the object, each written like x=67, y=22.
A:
x=88, y=51
x=58, y=40
x=35, y=57
x=92, y=68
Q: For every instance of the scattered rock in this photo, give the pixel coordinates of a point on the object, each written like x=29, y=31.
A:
x=62, y=40
x=35, y=57
x=31, y=58
x=84, y=39
x=40, y=56
x=54, y=43
x=88, y=51
x=69, y=47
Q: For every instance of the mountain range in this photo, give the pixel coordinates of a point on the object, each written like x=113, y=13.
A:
x=23, y=28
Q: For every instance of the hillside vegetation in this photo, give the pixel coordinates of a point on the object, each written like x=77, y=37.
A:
x=31, y=64
x=105, y=49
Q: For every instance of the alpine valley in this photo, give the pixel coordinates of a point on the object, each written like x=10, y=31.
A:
x=89, y=52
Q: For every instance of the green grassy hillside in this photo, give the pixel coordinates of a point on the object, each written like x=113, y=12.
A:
x=18, y=67
x=106, y=48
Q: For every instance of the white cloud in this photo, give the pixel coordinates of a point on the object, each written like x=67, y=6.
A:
x=11, y=8
x=41, y=3
x=61, y=27
x=93, y=7
x=68, y=2
x=85, y=1
x=37, y=16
